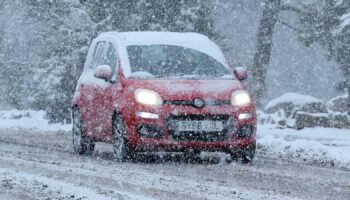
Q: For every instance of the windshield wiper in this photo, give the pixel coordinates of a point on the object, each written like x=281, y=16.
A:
x=171, y=75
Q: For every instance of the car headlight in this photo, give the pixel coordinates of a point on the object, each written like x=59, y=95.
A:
x=148, y=97
x=240, y=98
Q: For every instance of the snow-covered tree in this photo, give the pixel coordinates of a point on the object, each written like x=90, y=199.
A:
x=264, y=45
x=180, y=16
x=15, y=66
x=327, y=22
x=109, y=15
x=40, y=42
x=60, y=38
x=152, y=15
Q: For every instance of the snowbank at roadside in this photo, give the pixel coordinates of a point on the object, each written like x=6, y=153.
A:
x=293, y=98
x=29, y=119
x=329, y=146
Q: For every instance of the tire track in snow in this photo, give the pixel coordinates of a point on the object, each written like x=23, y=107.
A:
x=45, y=187
x=158, y=185
x=82, y=173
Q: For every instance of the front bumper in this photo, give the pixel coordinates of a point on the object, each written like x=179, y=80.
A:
x=145, y=134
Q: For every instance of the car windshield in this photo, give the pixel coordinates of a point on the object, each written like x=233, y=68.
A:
x=173, y=61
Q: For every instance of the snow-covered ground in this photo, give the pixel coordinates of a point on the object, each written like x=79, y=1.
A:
x=328, y=146
x=29, y=120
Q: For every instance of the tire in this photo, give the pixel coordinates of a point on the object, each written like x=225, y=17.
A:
x=191, y=156
x=248, y=155
x=245, y=155
x=82, y=145
x=233, y=157
x=122, y=151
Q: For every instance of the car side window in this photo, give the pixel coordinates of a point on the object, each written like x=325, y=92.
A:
x=97, y=55
x=111, y=57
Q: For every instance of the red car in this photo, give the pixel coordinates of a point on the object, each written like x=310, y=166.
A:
x=162, y=91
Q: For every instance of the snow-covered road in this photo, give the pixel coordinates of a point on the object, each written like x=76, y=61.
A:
x=42, y=165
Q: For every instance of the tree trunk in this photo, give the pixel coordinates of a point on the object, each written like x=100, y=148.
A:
x=348, y=96
x=262, y=54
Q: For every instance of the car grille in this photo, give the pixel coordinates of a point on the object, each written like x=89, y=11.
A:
x=191, y=102
x=204, y=136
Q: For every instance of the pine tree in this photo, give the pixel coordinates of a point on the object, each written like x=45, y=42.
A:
x=159, y=15
x=2, y=34
x=62, y=35
x=204, y=22
x=327, y=22
x=110, y=15
x=54, y=37
x=13, y=62
x=152, y=15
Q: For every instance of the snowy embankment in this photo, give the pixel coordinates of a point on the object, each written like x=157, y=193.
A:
x=328, y=146
x=29, y=120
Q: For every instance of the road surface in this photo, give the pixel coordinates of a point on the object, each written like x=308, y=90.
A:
x=39, y=165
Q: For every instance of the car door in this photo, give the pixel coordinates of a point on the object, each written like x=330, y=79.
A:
x=104, y=95
x=100, y=93
x=88, y=85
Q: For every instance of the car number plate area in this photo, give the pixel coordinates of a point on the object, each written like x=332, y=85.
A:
x=199, y=126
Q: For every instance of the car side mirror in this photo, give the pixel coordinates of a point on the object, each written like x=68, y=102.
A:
x=104, y=72
x=241, y=73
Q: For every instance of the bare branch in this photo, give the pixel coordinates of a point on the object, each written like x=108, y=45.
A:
x=289, y=26
x=290, y=8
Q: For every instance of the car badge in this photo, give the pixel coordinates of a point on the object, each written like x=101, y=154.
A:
x=199, y=103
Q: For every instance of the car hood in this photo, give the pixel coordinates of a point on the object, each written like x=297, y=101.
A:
x=188, y=89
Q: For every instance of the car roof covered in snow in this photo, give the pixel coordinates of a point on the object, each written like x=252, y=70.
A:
x=150, y=37
x=195, y=41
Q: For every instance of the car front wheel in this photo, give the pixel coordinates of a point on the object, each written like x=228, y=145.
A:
x=245, y=155
x=248, y=155
x=121, y=148
x=81, y=144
